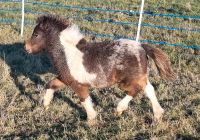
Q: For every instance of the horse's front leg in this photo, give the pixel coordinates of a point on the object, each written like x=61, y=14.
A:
x=52, y=86
x=86, y=101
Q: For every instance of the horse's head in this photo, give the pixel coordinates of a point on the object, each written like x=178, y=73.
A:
x=37, y=42
x=47, y=30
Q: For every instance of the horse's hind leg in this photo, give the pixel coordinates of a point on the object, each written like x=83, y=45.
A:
x=150, y=93
x=123, y=104
x=134, y=86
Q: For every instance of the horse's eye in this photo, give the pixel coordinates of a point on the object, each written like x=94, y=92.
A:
x=35, y=35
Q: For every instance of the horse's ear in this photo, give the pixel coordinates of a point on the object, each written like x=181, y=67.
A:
x=65, y=24
x=42, y=22
x=44, y=26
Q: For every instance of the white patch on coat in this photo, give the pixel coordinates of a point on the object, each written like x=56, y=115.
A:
x=124, y=47
x=74, y=56
x=123, y=104
x=150, y=93
x=117, y=57
x=48, y=96
x=133, y=47
x=71, y=35
x=101, y=80
x=88, y=105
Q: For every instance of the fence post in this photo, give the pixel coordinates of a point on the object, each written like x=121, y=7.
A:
x=22, y=20
x=140, y=21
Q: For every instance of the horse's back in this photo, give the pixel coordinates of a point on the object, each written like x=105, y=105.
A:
x=114, y=61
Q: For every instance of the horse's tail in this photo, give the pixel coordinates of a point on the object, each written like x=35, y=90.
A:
x=161, y=60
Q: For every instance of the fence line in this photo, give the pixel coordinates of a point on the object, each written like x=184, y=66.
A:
x=105, y=10
x=90, y=18
x=144, y=41
x=10, y=10
x=118, y=36
x=8, y=21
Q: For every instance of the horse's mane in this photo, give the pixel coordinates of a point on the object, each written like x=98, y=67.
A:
x=53, y=21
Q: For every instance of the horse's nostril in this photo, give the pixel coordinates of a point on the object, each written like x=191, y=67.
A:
x=27, y=49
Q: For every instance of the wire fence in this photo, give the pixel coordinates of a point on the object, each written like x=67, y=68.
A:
x=90, y=18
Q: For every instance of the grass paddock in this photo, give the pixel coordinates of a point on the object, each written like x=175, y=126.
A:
x=23, y=78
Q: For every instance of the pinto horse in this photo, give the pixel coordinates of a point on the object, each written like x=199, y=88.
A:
x=82, y=65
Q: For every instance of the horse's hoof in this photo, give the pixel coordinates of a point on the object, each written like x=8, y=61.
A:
x=118, y=113
x=46, y=107
x=45, y=104
x=92, y=115
x=158, y=116
x=92, y=122
x=157, y=121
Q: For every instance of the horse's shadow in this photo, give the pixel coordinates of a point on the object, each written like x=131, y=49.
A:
x=29, y=66
x=23, y=64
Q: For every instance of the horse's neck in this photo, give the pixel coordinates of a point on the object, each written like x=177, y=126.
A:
x=57, y=56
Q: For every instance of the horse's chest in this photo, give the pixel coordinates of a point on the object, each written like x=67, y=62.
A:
x=79, y=72
x=77, y=69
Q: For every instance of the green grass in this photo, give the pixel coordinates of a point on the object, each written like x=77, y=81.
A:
x=23, y=78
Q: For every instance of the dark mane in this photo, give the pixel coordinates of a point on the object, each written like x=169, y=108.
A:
x=53, y=21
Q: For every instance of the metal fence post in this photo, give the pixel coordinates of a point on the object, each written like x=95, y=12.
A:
x=140, y=21
x=22, y=20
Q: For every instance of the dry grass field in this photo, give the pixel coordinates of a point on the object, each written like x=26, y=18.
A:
x=23, y=77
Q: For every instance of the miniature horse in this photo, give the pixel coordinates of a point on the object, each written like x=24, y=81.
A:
x=82, y=65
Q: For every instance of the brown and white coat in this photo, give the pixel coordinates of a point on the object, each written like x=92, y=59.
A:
x=82, y=65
